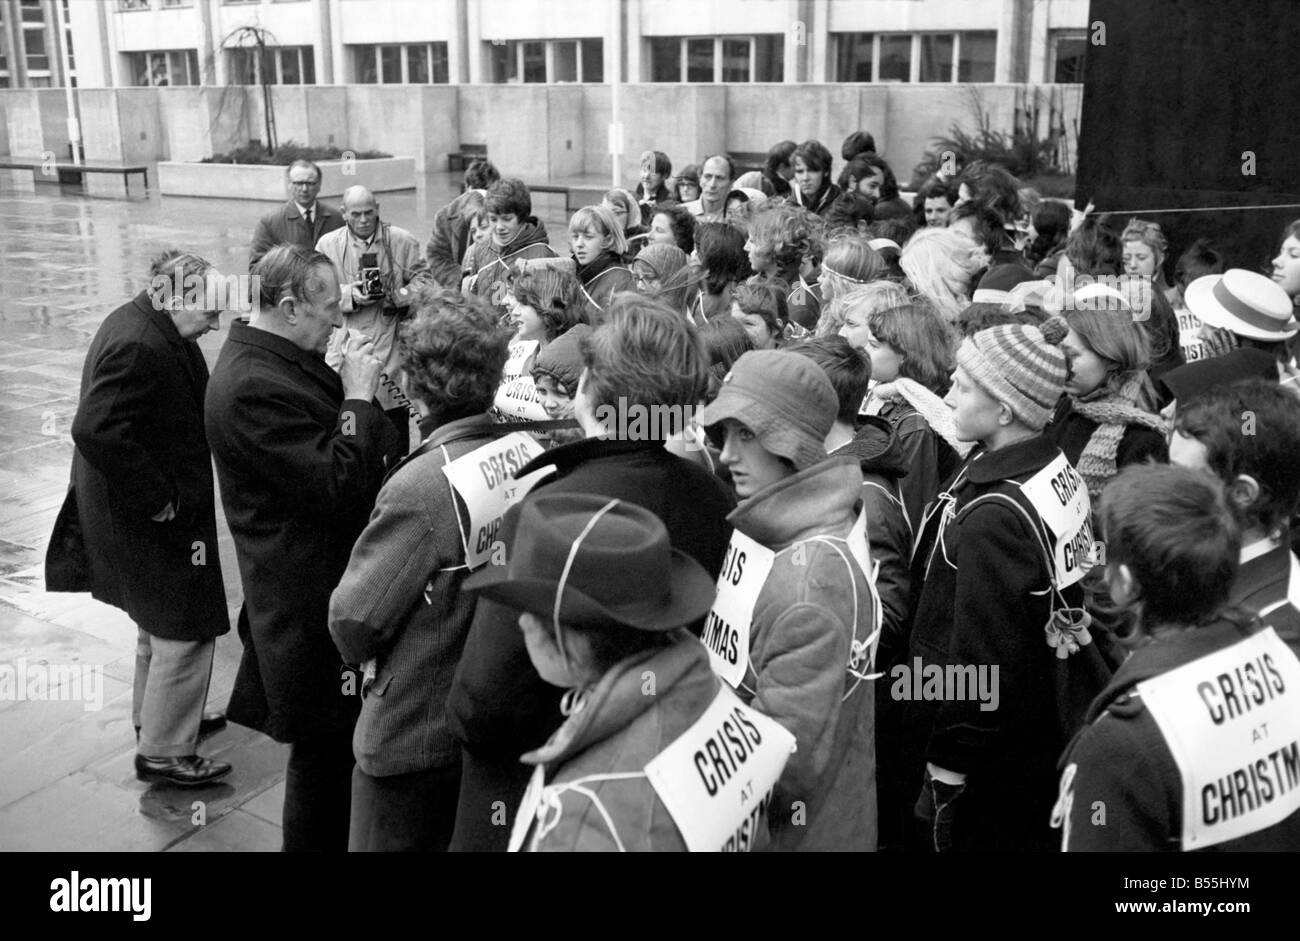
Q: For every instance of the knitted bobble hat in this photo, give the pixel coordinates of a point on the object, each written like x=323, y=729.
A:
x=1020, y=365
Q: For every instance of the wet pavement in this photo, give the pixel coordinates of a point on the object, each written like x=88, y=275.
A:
x=67, y=780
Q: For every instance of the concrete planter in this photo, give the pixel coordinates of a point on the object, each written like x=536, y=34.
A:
x=254, y=181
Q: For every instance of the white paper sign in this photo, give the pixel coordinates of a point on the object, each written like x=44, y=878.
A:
x=716, y=779
x=1232, y=722
x=1060, y=496
x=517, y=396
x=1189, y=337
x=484, y=479
x=726, y=630
x=527, y=813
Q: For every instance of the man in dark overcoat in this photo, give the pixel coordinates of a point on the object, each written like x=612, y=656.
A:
x=301, y=452
x=142, y=493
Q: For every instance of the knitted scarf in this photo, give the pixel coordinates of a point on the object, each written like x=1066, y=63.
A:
x=1113, y=407
x=928, y=405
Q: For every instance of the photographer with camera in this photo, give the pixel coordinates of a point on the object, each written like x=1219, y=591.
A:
x=376, y=262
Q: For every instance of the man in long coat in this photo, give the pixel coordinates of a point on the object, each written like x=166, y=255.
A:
x=301, y=452
x=142, y=492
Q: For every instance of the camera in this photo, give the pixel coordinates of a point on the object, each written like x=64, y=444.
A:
x=372, y=284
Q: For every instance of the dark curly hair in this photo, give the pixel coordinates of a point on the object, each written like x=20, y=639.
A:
x=786, y=232
x=452, y=352
x=682, y=224
x=507, y=196
x=555, y=294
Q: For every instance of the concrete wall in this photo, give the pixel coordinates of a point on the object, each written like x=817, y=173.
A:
x=538, y=132
x=36, y=120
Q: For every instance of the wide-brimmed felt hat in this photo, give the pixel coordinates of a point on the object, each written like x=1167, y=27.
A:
x=1186, y=382
x=604, y=560
x=1243, y=302
x=785, y=399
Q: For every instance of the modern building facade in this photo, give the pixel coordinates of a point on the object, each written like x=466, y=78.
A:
x=122, y=43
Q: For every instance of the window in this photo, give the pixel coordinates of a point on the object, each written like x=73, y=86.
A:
x=566, y=61
x=538, y=61
x=1068, y=51
x=593, y=60
x=853, y=56
x=936, y=57
x=978, y=57
x=915, y=57
x=412, y=64
x=178, y=3
x=717, y=59
x=895, y=59
x=281, y=65
x=4, y=57
x=164, y=67
x=665, y=60
x=134, y=4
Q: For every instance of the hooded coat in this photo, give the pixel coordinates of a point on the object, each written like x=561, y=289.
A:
x=615, y=734
x=601, y=280
x=889, y=531
x=1122, y=759
x=490, y=264
x=814, y=605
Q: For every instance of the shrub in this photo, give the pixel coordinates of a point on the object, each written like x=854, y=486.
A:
x=287, y=153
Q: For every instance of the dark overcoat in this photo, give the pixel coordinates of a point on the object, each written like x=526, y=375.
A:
x=299, y=468
x=140, y=445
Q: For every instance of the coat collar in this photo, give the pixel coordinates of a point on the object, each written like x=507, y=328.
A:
x=1015, y=460
x=567, y=456
x=618, y=698
x=820, y=499
x=1166, y=654
x=143, y=302
x=247, y=335
x=1268, y=573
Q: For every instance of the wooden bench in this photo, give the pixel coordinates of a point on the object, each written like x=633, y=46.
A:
x=65, y=171
x=467, y=154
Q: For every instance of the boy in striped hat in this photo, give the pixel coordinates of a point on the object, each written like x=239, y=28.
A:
x=998, y=621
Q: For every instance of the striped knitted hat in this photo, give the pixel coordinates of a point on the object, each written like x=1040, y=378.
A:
x=1020, y=365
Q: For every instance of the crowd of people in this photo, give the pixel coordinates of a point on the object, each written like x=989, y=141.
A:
x=782, y=513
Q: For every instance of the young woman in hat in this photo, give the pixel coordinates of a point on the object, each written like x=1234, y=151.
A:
x=605, y=599
x=796, y=621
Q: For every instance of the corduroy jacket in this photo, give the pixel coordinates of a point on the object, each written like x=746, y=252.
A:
x=399, y=604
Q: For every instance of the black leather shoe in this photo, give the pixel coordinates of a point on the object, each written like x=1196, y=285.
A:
x=211, y=723
x=183, y=771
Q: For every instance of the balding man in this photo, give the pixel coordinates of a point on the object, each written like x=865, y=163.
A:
x=300, y=452
x=715, y=183
x=376, y=261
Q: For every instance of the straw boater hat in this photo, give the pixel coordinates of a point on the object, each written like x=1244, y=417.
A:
x=1243, y=302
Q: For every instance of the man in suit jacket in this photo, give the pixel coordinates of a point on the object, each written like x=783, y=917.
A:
x=301, y=221
x=142, y=489
x=301, y=452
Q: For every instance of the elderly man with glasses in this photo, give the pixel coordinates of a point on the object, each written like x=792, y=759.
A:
x=301, y=221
